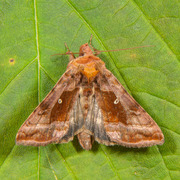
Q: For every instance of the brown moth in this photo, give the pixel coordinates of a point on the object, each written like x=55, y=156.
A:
x=88, y=101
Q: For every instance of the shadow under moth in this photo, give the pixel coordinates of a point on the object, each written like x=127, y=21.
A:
x=89, y=101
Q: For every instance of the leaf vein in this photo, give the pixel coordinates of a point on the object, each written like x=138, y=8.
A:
x=47, y=73
x=37, y=46
x=67, y=165
x=17, y=75
x=110, y=162
x=51, y=166
x=155, y=29
x=7, y=157
x=157, y=97
x=164, y=163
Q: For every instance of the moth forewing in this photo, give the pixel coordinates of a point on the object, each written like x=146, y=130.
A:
x=126, y=122
x=88, y=101
x=48, y=123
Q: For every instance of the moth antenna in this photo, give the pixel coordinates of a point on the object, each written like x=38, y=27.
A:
x=126, y=48
x=94, y=49
x=91, y=40
x=67, y=53
x=67, y=47
x=97, y=52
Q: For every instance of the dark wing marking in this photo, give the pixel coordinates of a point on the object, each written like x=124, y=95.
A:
x=76, y=122
x=95, y=124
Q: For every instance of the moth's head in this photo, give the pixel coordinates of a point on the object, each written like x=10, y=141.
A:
x=85, y=50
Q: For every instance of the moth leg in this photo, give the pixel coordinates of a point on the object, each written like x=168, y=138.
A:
x=71, y=55
x=91, y=40
x=96, y=51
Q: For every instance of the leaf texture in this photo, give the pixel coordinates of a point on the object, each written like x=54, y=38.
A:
x=32, y=31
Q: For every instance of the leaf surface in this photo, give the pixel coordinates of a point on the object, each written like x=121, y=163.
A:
x=32, y=31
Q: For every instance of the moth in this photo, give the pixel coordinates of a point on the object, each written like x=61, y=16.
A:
x=89, y=101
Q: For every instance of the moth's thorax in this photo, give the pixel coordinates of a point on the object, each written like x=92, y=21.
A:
x=88, y=65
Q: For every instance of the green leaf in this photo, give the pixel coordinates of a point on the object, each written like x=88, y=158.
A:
x=32, y=31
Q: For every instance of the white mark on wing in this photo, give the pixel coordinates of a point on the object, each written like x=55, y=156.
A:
x=116, y=101
x=59, y=101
